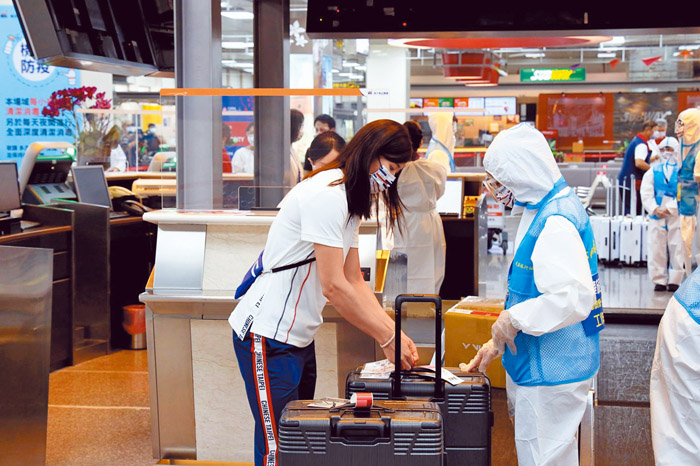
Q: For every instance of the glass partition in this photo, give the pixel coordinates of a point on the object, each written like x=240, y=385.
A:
x=247, y=183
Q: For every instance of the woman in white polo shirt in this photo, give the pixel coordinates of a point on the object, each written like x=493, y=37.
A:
x=275, y=322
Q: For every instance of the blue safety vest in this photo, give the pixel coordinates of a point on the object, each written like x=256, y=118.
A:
x=570, y=354
x=688, y=295
x=662, y=186
x=628, y=166
x=687, y=194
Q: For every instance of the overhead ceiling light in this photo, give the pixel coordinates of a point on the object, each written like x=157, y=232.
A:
x=350, y=64
x=607, y=55
x=336, y=71
x=361, y=67
x=481, y=84
x=238, y=14
x=235, y=45
x=688, y=47
x=345, y=75
x=534, y=55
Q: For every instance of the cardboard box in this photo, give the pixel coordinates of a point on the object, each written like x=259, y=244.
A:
x=467, y=328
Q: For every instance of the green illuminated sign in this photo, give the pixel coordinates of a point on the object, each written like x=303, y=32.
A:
x=549, y=75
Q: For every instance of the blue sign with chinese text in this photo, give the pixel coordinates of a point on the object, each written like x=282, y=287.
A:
x=26, y=88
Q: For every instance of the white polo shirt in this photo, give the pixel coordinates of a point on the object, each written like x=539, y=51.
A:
x=286, y=306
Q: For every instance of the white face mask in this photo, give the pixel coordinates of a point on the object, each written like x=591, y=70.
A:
x=380, y=180
x=668, y=156
x=659, y=134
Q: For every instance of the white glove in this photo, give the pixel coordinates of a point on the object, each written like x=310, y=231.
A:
x=483, y=358
x=503, y=333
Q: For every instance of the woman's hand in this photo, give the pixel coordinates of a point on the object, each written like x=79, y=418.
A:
x=409, y=353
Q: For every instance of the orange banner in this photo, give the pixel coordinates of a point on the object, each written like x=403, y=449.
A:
x=258, y=92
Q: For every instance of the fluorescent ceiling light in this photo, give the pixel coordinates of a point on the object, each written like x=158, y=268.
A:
x=350, y=64
x=229, y=62
x=237, y=14
x=235, y=45
x=481, y=84
x=688, y=47
x=534, y=55
x=345, y=75
x=357, y=76
x=336, y=71
x=607, y=55
x=361, y=67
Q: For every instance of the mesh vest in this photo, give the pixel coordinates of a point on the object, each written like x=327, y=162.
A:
x=570, y=354
x=688, y=295
x=688, y=190
x=662, y=187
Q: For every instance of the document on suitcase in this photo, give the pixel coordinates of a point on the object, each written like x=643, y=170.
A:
x=409, y=433
x=466, y=407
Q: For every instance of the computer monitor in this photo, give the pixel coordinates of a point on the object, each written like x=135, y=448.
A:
x=9, y=187
x=452, y=200
x=91, y=185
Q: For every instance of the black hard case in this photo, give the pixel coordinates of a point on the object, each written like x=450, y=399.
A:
x=409, y=433
x=466, y=408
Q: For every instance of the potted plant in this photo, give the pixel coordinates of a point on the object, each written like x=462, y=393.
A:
x=94, y=134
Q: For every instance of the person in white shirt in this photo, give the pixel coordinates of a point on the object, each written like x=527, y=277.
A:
x=311, y=257
x=659, y=193
x=242, y=161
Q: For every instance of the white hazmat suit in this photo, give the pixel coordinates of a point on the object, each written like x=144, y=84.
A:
x=675, y=385
x=664, y=232
x=689, y=140
x=546, y=417
x=422, y=238
x=441, y=147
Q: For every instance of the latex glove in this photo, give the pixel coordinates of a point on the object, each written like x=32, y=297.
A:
x=487, y=353
x=503, y=333
x=661, y=212
x=409, y=352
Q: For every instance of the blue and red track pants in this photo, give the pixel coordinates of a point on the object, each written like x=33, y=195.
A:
x=274, y=374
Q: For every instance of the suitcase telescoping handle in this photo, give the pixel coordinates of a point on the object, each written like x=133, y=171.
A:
x=396, y=376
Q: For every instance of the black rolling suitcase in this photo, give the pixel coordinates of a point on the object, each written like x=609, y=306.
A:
x=409, y=433
x=466, y=407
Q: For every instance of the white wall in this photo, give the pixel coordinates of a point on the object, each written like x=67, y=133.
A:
x=388, y=68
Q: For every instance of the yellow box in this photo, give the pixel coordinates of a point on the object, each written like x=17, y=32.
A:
x=467, y=328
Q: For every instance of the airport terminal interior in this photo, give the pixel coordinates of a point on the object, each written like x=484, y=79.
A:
x=147, y=160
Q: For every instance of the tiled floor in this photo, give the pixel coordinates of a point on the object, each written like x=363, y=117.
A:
x=99, y=413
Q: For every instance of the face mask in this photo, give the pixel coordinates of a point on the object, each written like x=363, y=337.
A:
x=659, y=134
x=499, y=192
x=380, y=180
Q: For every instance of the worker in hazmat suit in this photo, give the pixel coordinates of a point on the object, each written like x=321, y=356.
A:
x=675, y=379
x=441, y=147
x=659, y=192
x=688, y=132
x=422, y=239
x=548, y=332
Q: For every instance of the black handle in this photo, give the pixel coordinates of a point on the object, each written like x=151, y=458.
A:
x=398, y=304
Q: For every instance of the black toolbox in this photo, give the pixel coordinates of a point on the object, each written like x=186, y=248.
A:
x=409, y=433
x=466, y=407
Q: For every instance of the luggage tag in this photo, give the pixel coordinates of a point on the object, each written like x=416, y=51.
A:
x=330, y=403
